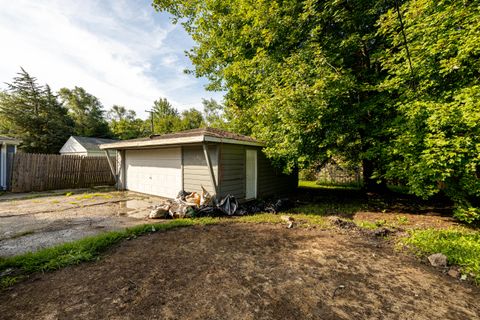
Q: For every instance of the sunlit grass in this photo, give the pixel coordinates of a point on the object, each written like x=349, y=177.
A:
x=461, y=246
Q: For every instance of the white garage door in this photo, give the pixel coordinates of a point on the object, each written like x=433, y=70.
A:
x=154, y=171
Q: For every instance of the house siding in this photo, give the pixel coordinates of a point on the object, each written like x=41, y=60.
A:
x=232, y=170
x=195, y=170
x=271, y=181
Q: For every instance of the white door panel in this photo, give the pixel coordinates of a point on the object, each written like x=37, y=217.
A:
x=154, y=171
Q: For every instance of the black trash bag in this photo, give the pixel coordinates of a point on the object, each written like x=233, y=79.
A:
x=228, y=205
x=278, y=206
x=207, y=211
x=241, y=211
x=252, y=207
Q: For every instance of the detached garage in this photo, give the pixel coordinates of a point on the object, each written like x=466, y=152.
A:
x=222, y=162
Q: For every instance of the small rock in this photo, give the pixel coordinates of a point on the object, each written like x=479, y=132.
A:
x=454, y=273
x=286, y=218
x=463, y=277
x=382, y=232
x=438, y=260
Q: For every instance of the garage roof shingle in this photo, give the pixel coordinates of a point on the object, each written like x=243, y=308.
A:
x=185, y=137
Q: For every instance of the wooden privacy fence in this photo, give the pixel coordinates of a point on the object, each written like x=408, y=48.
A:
x=40, y=172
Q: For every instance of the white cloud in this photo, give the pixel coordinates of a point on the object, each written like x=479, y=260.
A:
x=120, y=51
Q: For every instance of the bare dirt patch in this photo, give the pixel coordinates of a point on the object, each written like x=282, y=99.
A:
x=32, y=224
x=245, y=271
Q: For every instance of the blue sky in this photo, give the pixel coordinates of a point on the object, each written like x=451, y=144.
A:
x=121, y=51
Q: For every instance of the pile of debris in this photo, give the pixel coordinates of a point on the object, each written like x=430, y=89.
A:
x=193, y=204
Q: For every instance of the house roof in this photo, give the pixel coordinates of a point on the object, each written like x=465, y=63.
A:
x=185, y=137
x=92, y=143
x=8, y=140
x=76, y=144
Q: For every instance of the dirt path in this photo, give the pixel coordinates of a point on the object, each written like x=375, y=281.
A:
x=245, y=271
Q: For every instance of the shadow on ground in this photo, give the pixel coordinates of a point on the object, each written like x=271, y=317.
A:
x=348, y=201
x=245, y=271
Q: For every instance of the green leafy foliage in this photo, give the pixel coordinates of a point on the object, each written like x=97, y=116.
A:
x=438, y=131
x=86, y=111
x=191, y=119
x=392, y=85
x=32, y=113
x=214, y=114
x=124, y=124
x=299, y=75
x=461, y=247
x=165, y=117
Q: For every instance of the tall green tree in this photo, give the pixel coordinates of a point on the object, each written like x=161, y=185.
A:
x=191, y=119
x=214, y=114
x=86, y=111
x=124, y=123
x=434, y=69
x=302, y=76
x=32, y=113
x=165, y=117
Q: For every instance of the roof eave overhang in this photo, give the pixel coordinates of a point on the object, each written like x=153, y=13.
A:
x=11, y=142
x=175, y=142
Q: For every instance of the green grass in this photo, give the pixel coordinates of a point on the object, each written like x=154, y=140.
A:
x=308, y=184
x=319, y=185
x=462, y=247
x=366, y=224
x=87, y=196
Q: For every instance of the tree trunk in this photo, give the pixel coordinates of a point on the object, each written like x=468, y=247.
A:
x=370, y=184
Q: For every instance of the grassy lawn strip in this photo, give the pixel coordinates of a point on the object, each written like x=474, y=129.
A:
x=89, y=249
x=462, y=247
x=316, y=185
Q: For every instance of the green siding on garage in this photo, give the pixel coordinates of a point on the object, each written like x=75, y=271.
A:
x=232, y=170
x=195, y=169
x=270, y=181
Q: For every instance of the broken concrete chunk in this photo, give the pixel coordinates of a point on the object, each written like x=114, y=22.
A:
x=438, y=260
x=159, y=211
x=289, y=220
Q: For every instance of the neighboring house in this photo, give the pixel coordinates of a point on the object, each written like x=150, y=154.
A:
x=8, y=147
x=223, y=162
x=84, y=146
